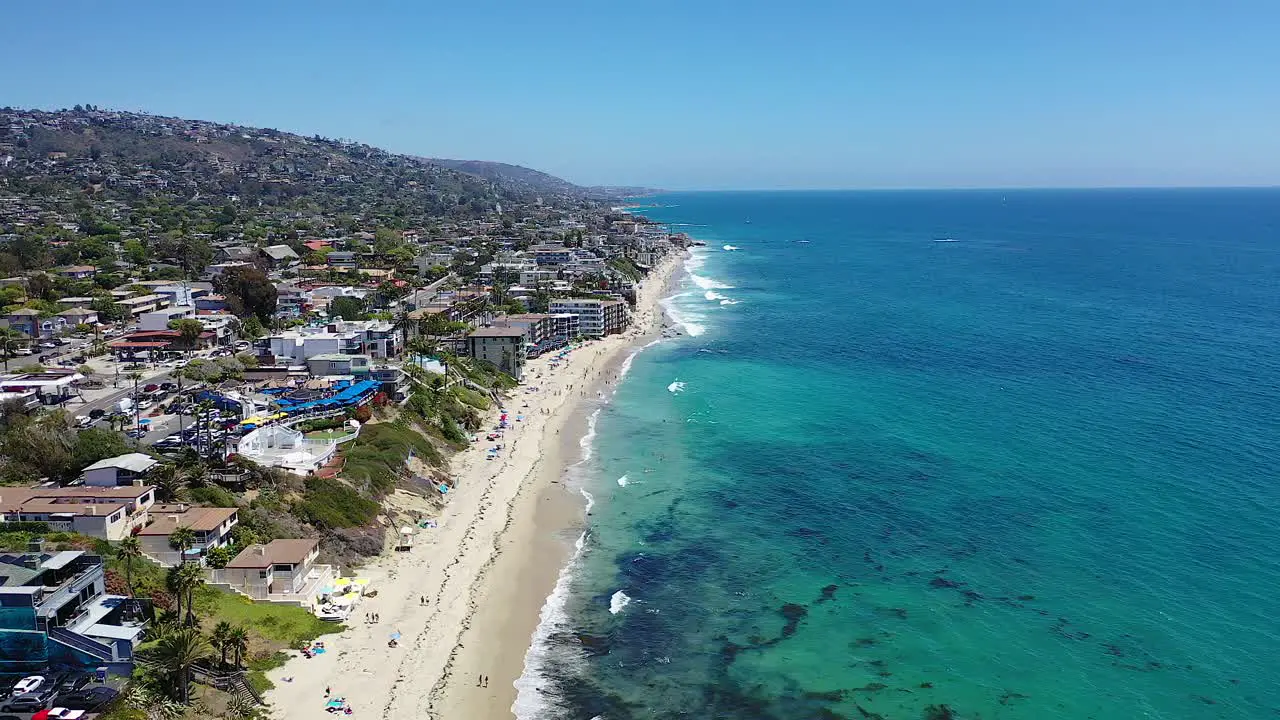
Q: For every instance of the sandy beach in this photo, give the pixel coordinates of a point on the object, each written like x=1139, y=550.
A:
x=466, y=598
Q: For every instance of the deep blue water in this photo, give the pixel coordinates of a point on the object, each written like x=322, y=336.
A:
x=1028, y=472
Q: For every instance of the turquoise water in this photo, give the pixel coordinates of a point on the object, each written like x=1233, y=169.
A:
x=965, y=454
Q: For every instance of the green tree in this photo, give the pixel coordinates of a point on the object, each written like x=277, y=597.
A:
x=182, y=581
x=96, y=444
x=10, y=340
x=219, y=637
x=239, y=642
x=181, y=540
x=175, y=653
x=129, y=550
x=107, y=309
x=190, y=331
x=135, y=252
x=347, y=308
x=248, y=292
x=218, y=557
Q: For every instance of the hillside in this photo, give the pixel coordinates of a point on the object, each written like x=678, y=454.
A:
x=128, y=155
x=515, y=178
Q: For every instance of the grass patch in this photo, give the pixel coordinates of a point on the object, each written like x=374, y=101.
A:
x=275, y=625
x=272, y=629
x=212, y=495
x=375, y=459
x=331, y=503
x=470, y=397
x=327, y=434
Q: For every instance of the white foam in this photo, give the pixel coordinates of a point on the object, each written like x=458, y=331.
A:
x=622, y=481
x=713, y=296
x=530, y=703
x=727, y=301
x=707, y=283
x=591, y=501
x=687, y=320
x=730, y=248
x=617, y=602
x=675, y=387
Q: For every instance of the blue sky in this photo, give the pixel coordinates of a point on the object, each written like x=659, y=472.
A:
x=695, y=94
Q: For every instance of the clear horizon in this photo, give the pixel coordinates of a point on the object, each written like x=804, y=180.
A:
x=686, y=96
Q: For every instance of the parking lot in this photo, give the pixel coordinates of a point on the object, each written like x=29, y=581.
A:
x=59, y=696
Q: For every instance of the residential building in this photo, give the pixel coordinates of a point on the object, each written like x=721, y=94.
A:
x=505, y=346
x=77, y=272
x=29, y=322
x=279, y=256
x=79, y=316
x=552, y=254
x=136, y=306
x=617, y=315
x=158, y=320
x=566, y=325
x=55, y=611
x=280, y=571
x=77, y=301
x=338, y=364
x=106, y=513
x=341, y=260
x=211, y=526
x=219, y=268
x=127, y=469
x=395, y=382
x=211, y=303
x=590, y=312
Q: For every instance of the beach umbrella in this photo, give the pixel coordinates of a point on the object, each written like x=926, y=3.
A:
x=395, y=635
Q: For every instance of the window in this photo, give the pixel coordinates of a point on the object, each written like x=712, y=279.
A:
x=262, y=574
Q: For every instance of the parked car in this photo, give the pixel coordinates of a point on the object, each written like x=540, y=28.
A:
x=84, y=421
x=22, y=351
x=87, y=699
x=26, y=703
x=48, y=345
x=28, y=684
x=169, y=386
x=97, y=413
x=59, y=342
x=144, y=403
x=79, y=359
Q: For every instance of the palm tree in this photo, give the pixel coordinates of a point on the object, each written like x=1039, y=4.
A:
x=129, y=550
x=181, y=540
x=220, y=638
x=182, y=582
x=8, y=341
x=176, y=652
x=135, y=376
x=239, y=642
x=168, y=481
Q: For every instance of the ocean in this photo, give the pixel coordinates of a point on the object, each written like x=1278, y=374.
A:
x=969, y=454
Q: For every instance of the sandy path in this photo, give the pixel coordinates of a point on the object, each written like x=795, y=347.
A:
x=452, y=567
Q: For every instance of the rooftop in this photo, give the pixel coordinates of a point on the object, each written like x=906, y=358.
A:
x=277, y=551
x=167, y=518
x=133, y=462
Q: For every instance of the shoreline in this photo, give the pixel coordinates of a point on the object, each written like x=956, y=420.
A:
x=487, y=569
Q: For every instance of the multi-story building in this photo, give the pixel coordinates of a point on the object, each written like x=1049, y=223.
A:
x=106, y=513
x=616, y=316
x=506, y=346
x=590, y=312
x=280, y=571
x=565, y=325
x=55, y=611
x=375, y=338
x=552, y=254
x=211, y=526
